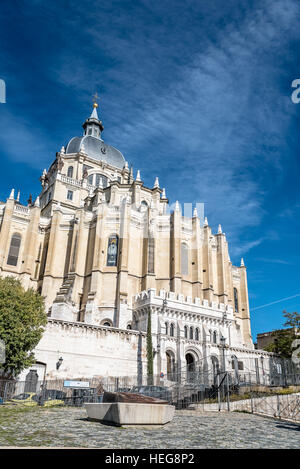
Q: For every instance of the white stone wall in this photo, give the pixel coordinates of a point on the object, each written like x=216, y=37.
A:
x=90, y=351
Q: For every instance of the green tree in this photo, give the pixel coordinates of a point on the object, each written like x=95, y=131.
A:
x=22, y=321
x=149, y=351
x=283, y=339
x=292, y=319
x=282, y=343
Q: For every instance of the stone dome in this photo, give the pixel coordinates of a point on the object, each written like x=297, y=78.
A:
x=96, y=149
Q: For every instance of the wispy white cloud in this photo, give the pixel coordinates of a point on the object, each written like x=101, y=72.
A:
x=197, y=104
x=273, y=260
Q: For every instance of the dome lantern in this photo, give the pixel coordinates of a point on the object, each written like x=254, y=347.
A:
x=93, y=125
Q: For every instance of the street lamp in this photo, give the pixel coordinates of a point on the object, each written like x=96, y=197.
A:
x=222, y=342
x=59, y=362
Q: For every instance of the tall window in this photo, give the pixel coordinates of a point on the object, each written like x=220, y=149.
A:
x=112, y=250
x=236, y=300
x=167, y=328
x=191, y=333
x=151, y=253
x=70, y=172
x=184, y=259
x=143, y=206
x=70, y=195
x=185, y=332
x=196, y=333
x=172, y=330
x=215, y=337
x=14, y=249
x=97, y=179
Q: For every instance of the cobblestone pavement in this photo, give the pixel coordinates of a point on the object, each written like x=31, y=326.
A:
x=69, y=427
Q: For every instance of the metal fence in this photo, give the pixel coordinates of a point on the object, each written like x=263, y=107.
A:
x=204, y=390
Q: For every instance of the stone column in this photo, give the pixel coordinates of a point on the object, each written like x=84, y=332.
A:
x=208, y=287
x=122, y=281
x=175, y=257
x=53, y=257
x=244, y=308
x=31, y=246
x=150, y=249
x=5, y=230
x=222, y=267
x=197, y=269
x=97, y=263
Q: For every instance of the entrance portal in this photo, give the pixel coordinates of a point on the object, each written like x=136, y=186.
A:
x=31, y=381
x=190, y=367
x=170, y=366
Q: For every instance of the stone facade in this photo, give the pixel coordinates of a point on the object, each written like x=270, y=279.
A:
x=105, y=251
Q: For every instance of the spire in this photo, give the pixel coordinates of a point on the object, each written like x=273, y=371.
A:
x=18, y=197
x=138, y=176
x=12, y=195
x=156, y=183
x=242, y=262
x=220, y=229
x=37, y=202
x=163, y=195
x=131, y=175
x=94, y=114
x=195, y=213
x=93, y=125
x=177, y=207
x=205, y=222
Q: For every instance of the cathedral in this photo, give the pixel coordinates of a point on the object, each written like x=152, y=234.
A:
x=106, y=252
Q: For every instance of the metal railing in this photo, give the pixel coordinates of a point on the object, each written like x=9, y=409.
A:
x=186, y=389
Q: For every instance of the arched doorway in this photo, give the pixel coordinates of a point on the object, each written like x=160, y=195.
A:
x=171, y=365
x=31, y=381
x=190, y=366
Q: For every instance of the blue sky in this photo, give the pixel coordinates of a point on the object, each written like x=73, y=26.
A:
x=197, y=93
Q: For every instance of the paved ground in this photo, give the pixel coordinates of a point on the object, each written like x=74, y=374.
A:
x=68, y=427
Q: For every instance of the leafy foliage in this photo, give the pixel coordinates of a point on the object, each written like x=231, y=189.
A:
x=22, y=321
x=292, y=319
x=283, y=339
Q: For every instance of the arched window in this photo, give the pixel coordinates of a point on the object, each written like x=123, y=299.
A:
x=70, y=172
x=143, y=206
x=185, y=332
x=97, y=179
x=236, y=300
x=129, y=326
x=210, y=335
x=215, y=337
x=112, y=250
x=167, y=328
x=191, y=333
x=196, y=333
x=172, y=330
x=14, y=249
x=184, y=259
